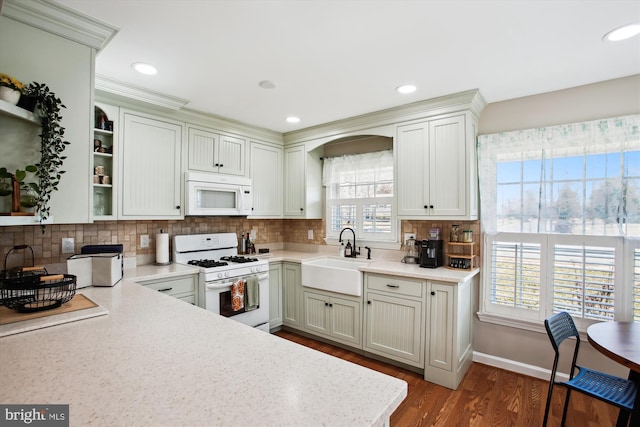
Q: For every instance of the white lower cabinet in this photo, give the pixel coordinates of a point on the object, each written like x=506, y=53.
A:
x=180, y=287
x=334, y=316
x=292, y=304
x=275, y=295
x=394, y=318
x=449, y=332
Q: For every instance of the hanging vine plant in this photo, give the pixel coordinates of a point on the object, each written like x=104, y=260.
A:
x=52, y=144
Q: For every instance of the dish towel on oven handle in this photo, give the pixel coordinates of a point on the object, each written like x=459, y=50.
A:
x=237, y=295
x=253, y=293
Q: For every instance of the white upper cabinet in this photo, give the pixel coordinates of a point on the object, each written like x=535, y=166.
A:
x=435, y=169
x=294, y=195
x=210, y=151
x=151, y=184
x=302, y=183
x=266, y=174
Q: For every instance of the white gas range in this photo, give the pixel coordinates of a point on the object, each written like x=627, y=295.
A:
x=231, y=285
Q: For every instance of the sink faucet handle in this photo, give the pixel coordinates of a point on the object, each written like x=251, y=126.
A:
x=368, y=252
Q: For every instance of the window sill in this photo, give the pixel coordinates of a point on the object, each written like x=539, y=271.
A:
x=527, y=325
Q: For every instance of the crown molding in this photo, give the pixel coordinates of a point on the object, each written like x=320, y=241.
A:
x=137, y=93
x=469, y=100
x=137, y=98
x=60, y=20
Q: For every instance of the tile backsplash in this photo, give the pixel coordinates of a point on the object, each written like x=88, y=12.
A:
x=269, y=233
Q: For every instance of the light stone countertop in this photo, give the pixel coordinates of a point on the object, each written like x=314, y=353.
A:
x=155, y=360
x=382, y=266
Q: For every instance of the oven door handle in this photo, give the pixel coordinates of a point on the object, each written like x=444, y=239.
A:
x=223, y=285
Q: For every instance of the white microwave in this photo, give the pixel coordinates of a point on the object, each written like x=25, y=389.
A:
x=210, y=194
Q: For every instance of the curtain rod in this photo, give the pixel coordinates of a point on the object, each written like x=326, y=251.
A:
x=377, y=151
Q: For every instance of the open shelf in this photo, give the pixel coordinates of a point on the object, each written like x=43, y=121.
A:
x=460, y=256
x=11, y=110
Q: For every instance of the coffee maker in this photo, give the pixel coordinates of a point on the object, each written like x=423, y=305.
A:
x=431, y=253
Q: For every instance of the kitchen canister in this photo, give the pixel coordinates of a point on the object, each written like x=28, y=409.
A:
x=467, y=236
x=162, y=248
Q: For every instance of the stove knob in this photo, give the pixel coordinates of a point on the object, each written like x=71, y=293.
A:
x=220, y=275
x=227, y=274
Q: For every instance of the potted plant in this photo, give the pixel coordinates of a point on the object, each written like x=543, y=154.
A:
x=52, y=145
x=25, y=194
x=10, y=89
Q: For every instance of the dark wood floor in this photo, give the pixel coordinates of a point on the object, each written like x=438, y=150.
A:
x=487, y=396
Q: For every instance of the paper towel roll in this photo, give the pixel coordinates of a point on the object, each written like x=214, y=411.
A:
x=162, y=248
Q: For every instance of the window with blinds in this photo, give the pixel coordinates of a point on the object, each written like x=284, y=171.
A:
x=561, y=218
x=359, y=194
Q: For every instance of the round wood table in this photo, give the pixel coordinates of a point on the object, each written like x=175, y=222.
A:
x=620, y=341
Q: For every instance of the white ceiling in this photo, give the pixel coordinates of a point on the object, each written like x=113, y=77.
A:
x=336, y=59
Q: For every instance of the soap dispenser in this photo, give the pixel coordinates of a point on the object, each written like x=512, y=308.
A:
x=341, y=250
x=348, y=250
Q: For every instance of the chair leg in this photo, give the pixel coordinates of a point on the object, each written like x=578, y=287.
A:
x=623, y=418
x=546, y=408
x=566, y=406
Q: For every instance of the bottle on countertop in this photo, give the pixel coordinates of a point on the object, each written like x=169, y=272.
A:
x=341, y=250
x=348, y=250
x=243, y=244
x=247, y=243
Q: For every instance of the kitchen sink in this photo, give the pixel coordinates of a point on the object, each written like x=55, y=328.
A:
x=333, y=274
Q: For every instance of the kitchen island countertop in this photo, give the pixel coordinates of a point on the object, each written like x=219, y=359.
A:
x=154, y=360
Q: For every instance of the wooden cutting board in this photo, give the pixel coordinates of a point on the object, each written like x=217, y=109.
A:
x=78, y=302
x=78, y=308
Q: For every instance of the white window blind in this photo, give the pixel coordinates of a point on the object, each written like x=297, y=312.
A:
x=360, y=194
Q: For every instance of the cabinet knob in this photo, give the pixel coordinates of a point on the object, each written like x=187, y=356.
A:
x=430, y=206
x=369, y=302
x=426, y=206
x=326, y=304
x=301, y=209
x=433, y=293
x=330, y=305
x=178, y=207
x=221, y=165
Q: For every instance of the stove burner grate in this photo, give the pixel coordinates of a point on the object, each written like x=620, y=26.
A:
x=207, y=263
x=238, y=259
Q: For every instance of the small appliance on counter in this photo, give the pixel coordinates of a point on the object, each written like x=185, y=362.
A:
x=413, y=254
x=97, y=265
x=431, y=253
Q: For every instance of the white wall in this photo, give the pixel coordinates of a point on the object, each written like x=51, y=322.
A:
x=30, y=54
x=600, y=100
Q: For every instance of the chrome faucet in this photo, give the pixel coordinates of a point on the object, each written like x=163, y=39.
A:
x=354, y=252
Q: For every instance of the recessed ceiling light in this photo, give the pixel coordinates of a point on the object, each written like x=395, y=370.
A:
x=622, y=33
x=293, y=119
x=143, y=68
x=406, y=89
x=267, y=84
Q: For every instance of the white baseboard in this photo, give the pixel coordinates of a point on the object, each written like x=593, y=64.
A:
x=519, y=367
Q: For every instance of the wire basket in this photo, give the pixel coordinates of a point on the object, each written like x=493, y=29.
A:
x=36, y=293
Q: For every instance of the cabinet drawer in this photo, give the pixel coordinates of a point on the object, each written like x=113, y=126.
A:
x=173, y=286
x=395, y=285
